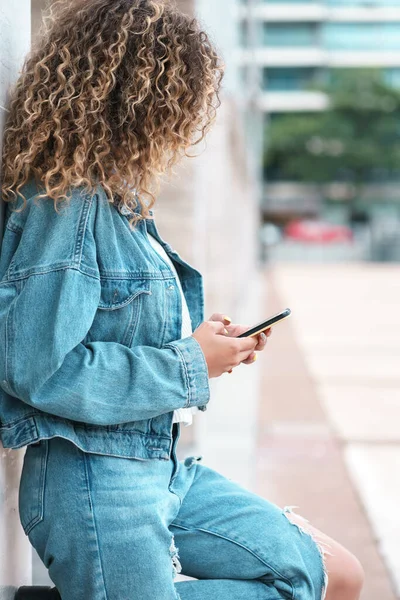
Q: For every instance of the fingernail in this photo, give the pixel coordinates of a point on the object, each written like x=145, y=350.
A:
x=230, y=371
x=255, y=358
x=227, y=319
x=263, y=337
x=226, y=332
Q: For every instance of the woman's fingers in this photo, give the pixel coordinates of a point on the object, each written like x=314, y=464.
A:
x=251, y=359
x=262, y=339
x=222, y=318
x=234, y=330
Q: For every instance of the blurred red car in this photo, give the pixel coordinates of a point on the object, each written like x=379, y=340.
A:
x=317, y=231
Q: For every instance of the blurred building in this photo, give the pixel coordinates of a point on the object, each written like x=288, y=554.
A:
x=299, y=41
x=215, y=196
x=296, y=46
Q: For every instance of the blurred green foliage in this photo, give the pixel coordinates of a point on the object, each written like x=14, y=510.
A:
x=356, y=140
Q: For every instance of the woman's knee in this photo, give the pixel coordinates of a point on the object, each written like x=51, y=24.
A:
x=346, y=575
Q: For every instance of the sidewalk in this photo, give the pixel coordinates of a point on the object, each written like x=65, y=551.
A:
x=329, y=435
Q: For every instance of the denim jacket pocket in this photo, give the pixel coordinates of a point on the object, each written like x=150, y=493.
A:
x=32, y=486
x=119, y=310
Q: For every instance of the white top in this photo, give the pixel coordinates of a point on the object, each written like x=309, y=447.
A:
x=183, y=415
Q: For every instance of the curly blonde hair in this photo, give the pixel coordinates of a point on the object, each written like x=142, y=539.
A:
x=114, y=93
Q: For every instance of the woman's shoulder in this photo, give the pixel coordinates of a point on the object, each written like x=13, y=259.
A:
x=51, y=235
x=33, y=195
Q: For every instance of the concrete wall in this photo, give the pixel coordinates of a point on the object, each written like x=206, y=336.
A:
x=15, y=553
x=37, y=6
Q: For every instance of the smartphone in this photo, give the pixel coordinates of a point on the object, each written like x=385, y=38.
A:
x=264, y=325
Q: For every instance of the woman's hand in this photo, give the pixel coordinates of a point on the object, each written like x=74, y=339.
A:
x=222, y=352
x=234, y=330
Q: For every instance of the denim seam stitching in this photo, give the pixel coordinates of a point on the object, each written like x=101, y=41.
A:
x=82, y=227
x=11, y=424
x=242, y=545
x=10, y=336
x=14, y=228
x=204, y=362
x=135, y=312
x=167, y=309
x=48, y=270
x=124, y=274
x=188, y=403
x=42, y=482
x=83, y=449
x=130, y=431
x=87, y=478
x=7, y=344
x=126, y=301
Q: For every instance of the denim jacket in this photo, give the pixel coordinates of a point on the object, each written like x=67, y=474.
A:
x=90, y=322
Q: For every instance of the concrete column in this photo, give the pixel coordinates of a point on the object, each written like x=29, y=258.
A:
x=15, y=550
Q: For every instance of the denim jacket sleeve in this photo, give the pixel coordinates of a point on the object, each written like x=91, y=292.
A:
x=49, y=294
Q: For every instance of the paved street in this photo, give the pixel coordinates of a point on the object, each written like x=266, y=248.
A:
x=315, y=422
x=329, y=435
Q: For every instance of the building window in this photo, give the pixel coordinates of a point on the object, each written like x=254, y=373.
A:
x=290, y=79
x=392, y=77
x=244, y=34
x=363, y=3
x=243, y=73
x=361, y=36
x=291, y=1
x=343, y=3
x=290, y=34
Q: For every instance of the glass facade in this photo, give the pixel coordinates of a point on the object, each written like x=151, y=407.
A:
x=290, y=34
x=361, y=36
x=392, y=77
x=368, y=36
x=299, y=79
x=306, y=50
x=289, y=79
x=362, y=3
x=330, y=35
x=290, y=1
x=341, y=3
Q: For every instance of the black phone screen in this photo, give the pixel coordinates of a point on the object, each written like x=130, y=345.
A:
x=266, y=324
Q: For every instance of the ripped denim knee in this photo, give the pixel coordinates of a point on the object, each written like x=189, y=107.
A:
x=176, y=565
x=322, y=547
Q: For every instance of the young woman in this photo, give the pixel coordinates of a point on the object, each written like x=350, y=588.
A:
x=104, y=348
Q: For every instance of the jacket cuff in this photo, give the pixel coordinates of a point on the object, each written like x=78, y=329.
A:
x=195, y=370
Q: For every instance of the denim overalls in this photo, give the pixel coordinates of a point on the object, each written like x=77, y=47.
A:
x=92, y=368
